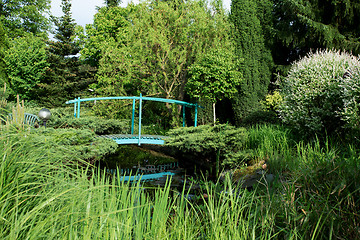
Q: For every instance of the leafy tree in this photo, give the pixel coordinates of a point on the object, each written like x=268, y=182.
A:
x=250, y=18
x=67, y=77
x=108, y=30
x=304, y=25
x=20, y=16
x=155, y=46
x=214, y=77
x=26, y=64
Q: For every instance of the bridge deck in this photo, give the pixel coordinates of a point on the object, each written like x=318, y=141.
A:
x=134, y=139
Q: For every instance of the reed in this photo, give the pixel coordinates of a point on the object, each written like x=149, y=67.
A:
x=315, y=195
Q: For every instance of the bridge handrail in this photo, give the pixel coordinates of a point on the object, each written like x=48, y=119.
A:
x=136, y=98
x=78, y=100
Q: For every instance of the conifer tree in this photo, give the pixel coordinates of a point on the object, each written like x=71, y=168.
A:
x=66, y=77
x=250, y=18
x=303, y=26
x=112, y=3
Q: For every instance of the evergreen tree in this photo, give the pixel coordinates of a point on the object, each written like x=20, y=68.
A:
x=304, y=26
x=112, y=3
x=67, y=77
x=251, y=21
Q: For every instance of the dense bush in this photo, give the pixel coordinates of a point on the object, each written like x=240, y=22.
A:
x=319, y=94
x=64, y=118
x=98, y=125
x=211, y=143
x=78, y=144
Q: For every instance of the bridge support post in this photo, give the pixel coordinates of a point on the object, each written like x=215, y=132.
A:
x=140, y=109
x=183, y=108
x=75, y=108
x=196, y=112
x=133, y=117
x=78, y=108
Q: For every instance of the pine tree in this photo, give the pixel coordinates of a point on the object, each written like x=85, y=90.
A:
x=250, y=18
x=112, y=3
x=66, y=77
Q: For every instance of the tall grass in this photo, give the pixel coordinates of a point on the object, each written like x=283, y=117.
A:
x=315, y=195
x=42, y=198
x=316, y=187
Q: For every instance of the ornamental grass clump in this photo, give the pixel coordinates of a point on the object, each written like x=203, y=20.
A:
x=320, y=93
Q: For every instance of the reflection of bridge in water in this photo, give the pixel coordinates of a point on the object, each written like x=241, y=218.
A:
x=145, y=173
x=136, y=138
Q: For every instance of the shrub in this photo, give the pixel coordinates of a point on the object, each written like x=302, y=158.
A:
x=211, y=144
x=64, y=118
x=319, y=92
x=72, y=145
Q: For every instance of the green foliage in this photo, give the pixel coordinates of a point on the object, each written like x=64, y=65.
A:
x=206, y=142
x=64, y=118
x=24, y=16
x=109, y=28
x=314, y=195
x=96, y=124
x=251, y=21
x=304, y=25
x=320, y=91
x=4, y=45
x=112, y=3
x=26, y=64
x=273, y=101
x=66, y=77
x=3, y=101
x=214, y=76
x=65, y=32
x=148, y=47
x=78, y=144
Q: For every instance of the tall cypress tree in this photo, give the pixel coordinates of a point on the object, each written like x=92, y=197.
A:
x=250, y=18
x=66, y=77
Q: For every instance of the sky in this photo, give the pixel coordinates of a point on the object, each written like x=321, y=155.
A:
x=84, y=10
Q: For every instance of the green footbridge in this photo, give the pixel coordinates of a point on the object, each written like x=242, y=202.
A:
x=139, y=138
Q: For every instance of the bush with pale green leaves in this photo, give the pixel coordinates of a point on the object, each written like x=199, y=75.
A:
x=321, y=93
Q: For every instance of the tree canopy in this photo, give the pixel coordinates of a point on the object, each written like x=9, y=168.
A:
x=302, y=26
x=148, y=48
x=26, y=64
x=20, y=16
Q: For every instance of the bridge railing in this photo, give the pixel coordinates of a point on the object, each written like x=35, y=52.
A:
x=77, y=105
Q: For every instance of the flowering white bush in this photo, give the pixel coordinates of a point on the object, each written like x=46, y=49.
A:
x=321, y=92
